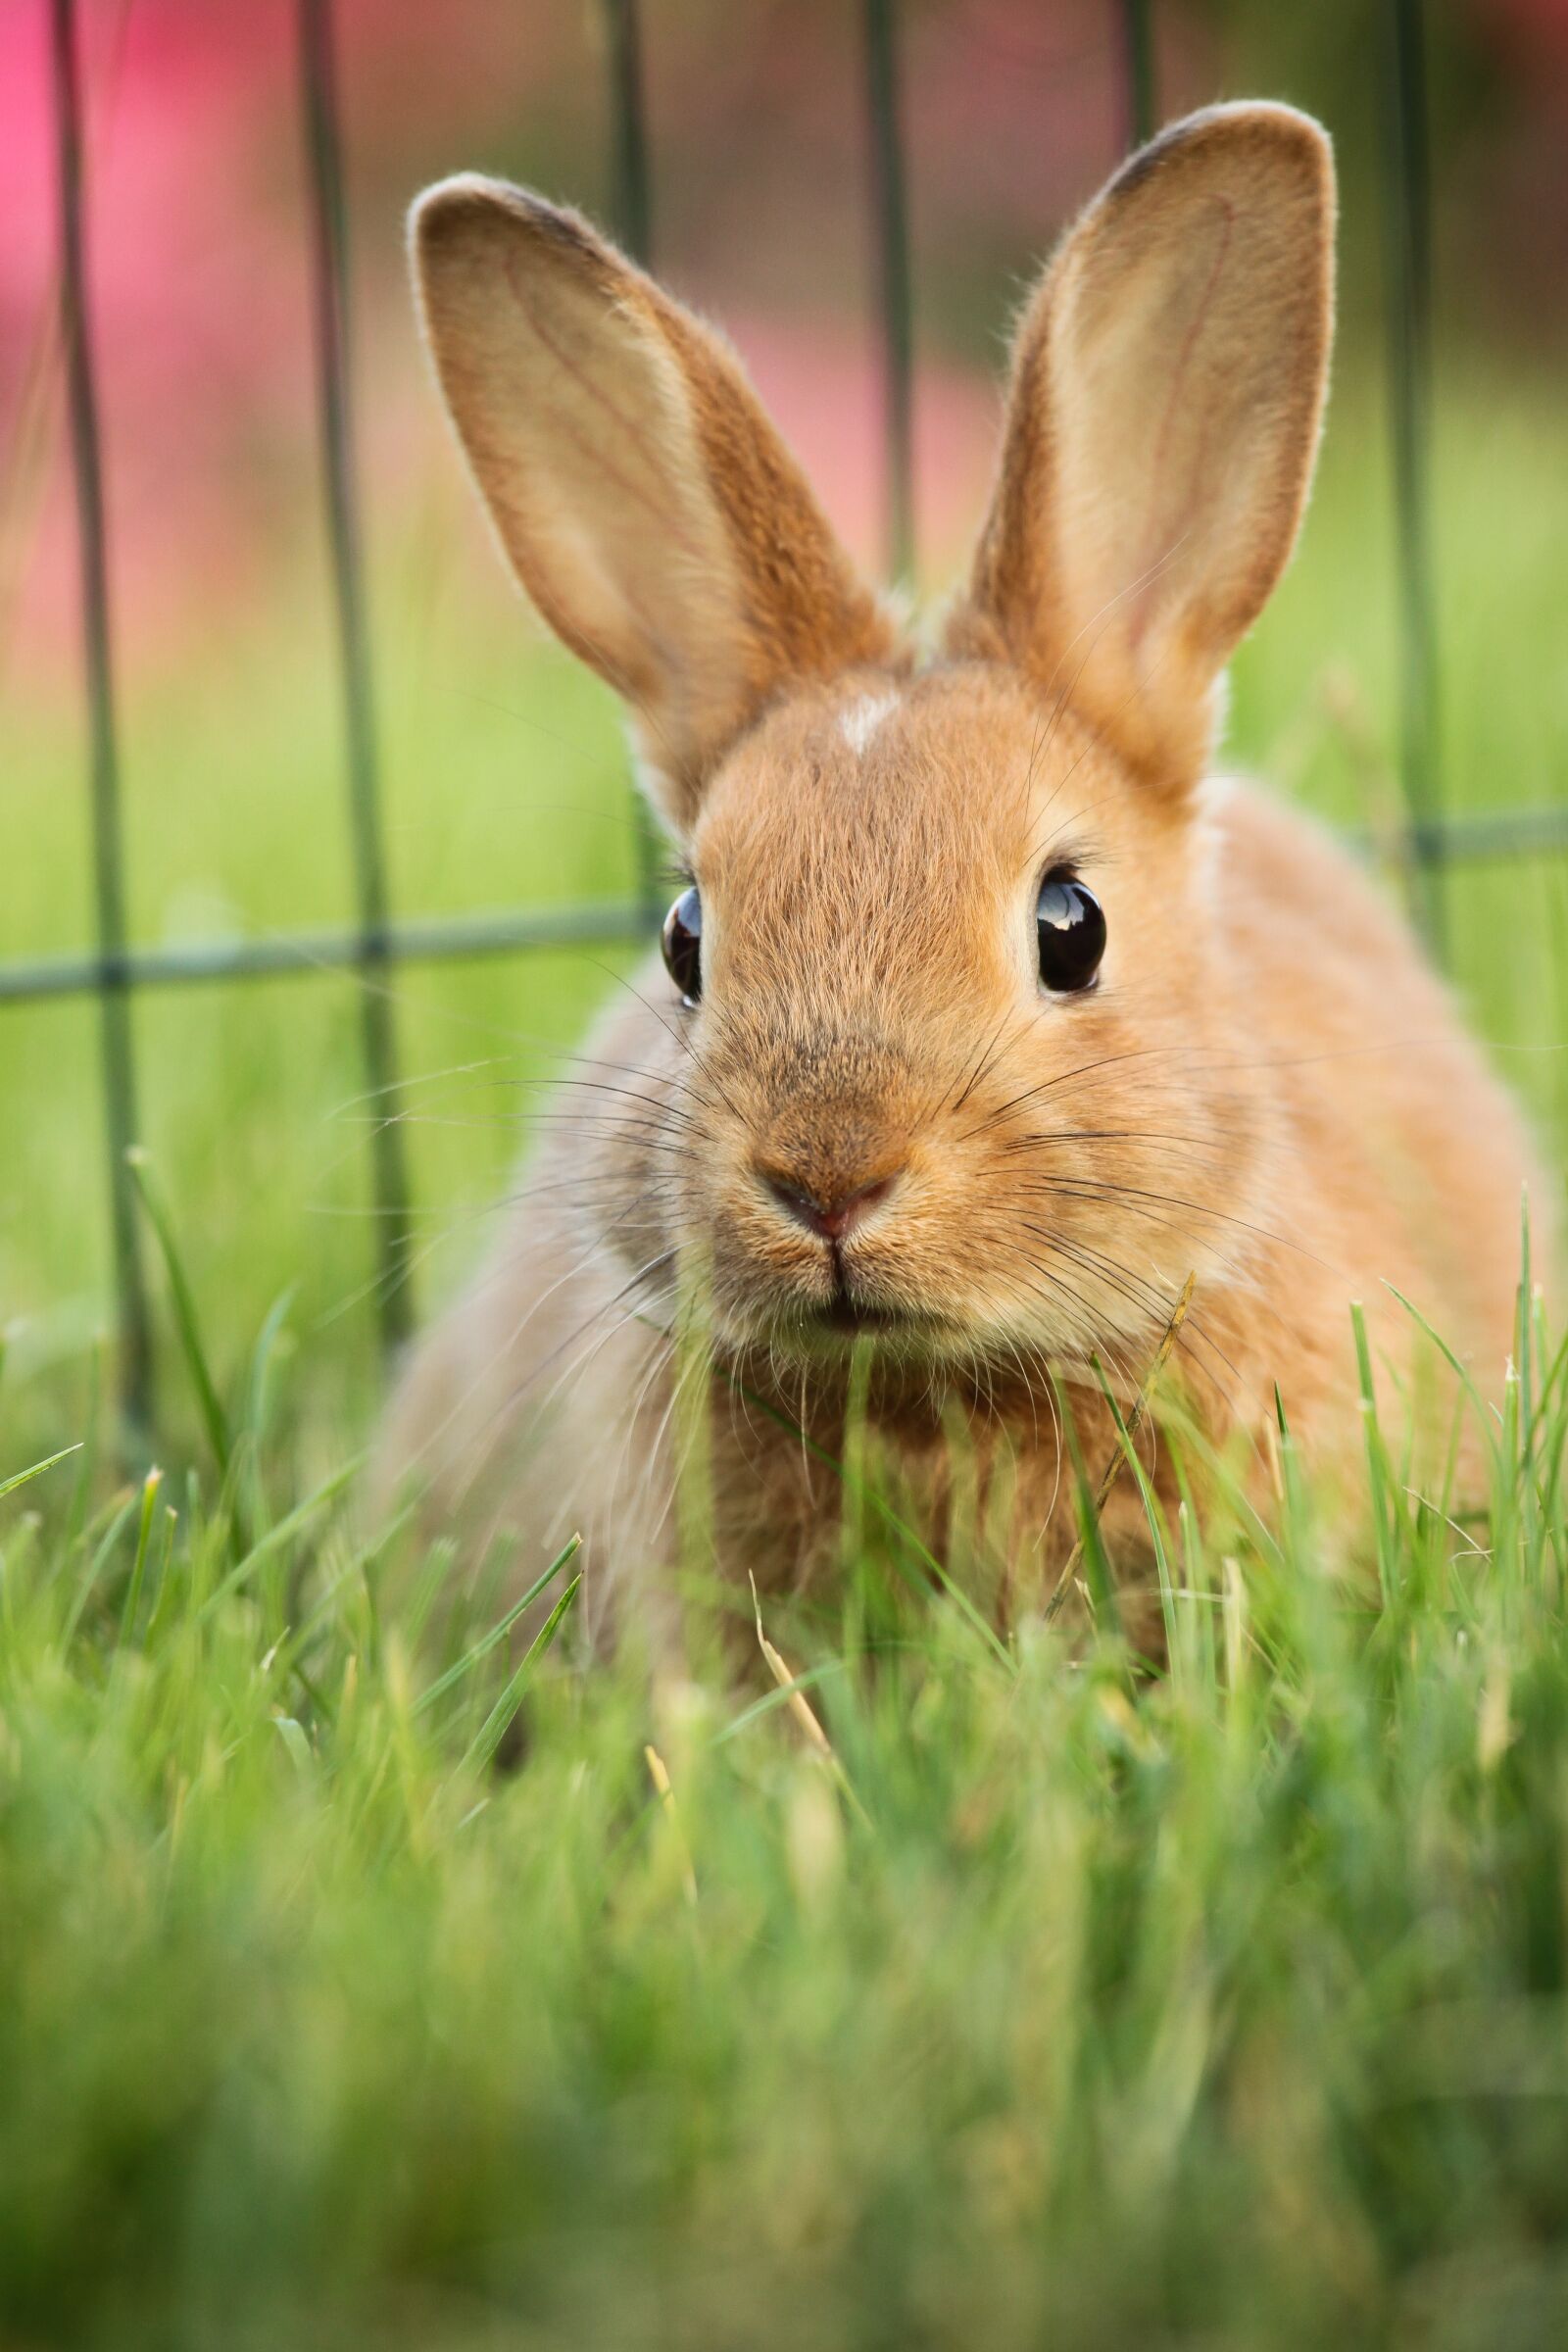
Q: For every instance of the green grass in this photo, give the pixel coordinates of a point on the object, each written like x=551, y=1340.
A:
x=357, y=1986
x=1223, y=2009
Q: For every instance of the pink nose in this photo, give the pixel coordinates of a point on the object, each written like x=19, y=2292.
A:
x=832, y=1218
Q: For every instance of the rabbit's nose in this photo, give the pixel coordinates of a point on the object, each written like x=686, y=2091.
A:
x=835, y=1216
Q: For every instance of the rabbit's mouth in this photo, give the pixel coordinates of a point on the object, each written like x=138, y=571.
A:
x=851, y=1313
x=820, y=1328
x=856, y=1318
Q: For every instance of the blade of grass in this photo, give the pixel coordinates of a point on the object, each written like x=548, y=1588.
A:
x=256, y=1397
x=488, y=1738
x=1376, y=1463
x=1157, y=1532
x=215, y=1420
x=356, y=1567
x=287, y=1528
x=261, y=1364
x=85, y=1480
x=1089, y=1551
x=19, y=1478
x=1524, y=1348
x=1112, y=1469
x=292, y=1733
x=150, y=1486
x=95, y=1568
x=1523, y=1339
x=924, y=1556
x=421, y=1598
x=496, y=1634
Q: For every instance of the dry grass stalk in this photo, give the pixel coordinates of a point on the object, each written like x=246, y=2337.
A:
x=659, y=1774
x=799, y=1705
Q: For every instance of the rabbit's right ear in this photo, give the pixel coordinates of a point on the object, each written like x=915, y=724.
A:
x=1167, y=387
x=643, y=497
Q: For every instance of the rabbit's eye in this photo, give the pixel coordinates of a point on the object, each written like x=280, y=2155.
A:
x=1071, y=924
x=682, y=942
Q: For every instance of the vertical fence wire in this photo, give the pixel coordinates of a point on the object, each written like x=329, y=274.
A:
x=1407, y=215
x=330, y=302
x=630, y=197
x=631, y=214
x=107, y=854
x=1138, y=62
x=890, y=227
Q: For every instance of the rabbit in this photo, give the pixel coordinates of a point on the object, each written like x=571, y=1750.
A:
x=985, y=1015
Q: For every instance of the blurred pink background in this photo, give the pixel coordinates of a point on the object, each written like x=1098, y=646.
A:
x=198, y=248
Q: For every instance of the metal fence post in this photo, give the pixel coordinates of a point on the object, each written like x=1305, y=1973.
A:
x=319, y=93
x=1138, y=55
x=1408, y=218
x=890, y=217
x=111, y=977
x=630, y=197
x=631, y=216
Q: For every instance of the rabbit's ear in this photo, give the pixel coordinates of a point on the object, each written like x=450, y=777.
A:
x=1167, y=388
x=644, y=499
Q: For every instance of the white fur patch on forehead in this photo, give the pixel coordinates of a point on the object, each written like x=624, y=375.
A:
x=863, y=717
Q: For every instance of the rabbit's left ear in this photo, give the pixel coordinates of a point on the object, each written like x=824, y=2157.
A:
x=1168, y=389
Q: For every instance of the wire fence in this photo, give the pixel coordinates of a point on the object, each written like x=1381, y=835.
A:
x=115, y=970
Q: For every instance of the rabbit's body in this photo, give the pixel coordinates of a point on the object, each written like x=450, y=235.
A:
x=992, y=1021
x=1325, y=1089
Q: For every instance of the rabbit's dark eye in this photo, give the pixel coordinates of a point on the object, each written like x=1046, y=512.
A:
x=1071, y=923
x=682, y=942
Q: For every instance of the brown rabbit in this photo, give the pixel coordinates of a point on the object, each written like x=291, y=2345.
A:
x=987, y=1017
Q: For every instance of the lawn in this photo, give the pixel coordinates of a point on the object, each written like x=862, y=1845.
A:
x=358, y=1984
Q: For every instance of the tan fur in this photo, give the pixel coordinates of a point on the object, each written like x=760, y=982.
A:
x=1267, y=1087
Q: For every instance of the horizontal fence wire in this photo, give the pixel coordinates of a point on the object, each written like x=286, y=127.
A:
x=330, y=314
x=107, y=972
x=1460, y=841
x=508, y=931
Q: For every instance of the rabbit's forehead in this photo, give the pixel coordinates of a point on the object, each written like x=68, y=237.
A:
x=931, y=787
